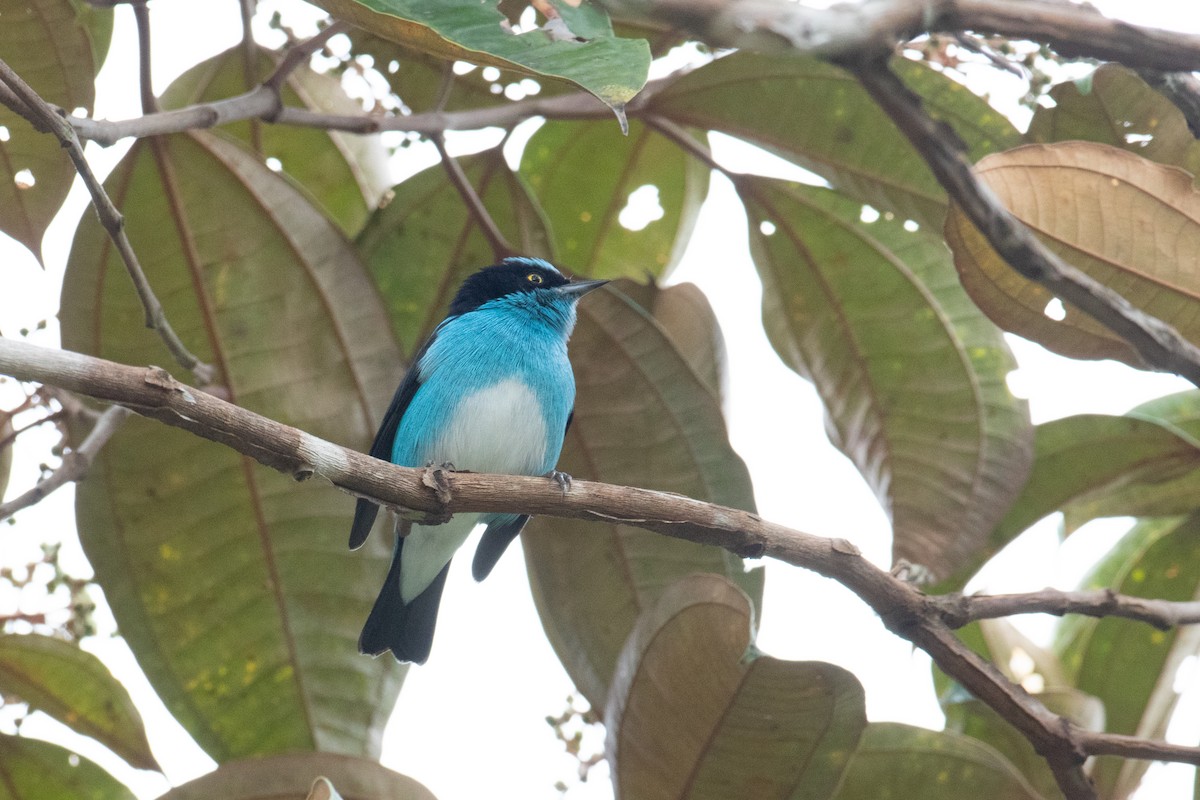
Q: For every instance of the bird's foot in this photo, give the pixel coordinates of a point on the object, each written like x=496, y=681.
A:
x=913, y=574
x=436, y=478
x=445, y=466
x=561, y=478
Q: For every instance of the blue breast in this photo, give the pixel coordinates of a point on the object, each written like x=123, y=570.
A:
x=496, y=390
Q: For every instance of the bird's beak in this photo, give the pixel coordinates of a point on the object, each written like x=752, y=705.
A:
x=579, y=288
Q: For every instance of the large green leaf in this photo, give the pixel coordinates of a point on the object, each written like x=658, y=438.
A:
x=31, y=769
x=1114, y=106
x=1129, y=665
x=1088, y=461
x=346, y=174
x=912, y=377
x=899, y=762
x=72, y=686
x=611, y=68
x=1170, y=492
x=644, y=418
x=289, y=777
x=742, y=724
x=585, y=173
x=47, y=43
x=422, y=244
x=1128, y=222
x=818, y=116
x=230, y=581
x=685, y=315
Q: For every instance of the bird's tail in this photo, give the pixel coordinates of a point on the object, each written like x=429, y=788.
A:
x=404, y=628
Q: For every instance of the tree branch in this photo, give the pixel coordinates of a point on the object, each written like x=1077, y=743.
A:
x=844, y=29
x=1156, y=342
x=141, y=15
x=75, y=465
x=433, y=494
x=957, y=610
x=1116, y=744
x=300, y=53
x=55, y=122
x=500, y=245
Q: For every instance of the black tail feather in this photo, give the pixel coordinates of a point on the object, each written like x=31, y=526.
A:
x=496, y=539
x=406, y=630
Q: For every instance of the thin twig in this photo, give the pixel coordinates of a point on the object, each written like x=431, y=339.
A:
x=300, y=53
x=141, y=15
x=1158, y=344
x=500, y=245
x=1116, y=744
x=75, y=464
x=12, y=437
x=958, y=610
x=250, y=66
x=110, y=218
x=444, y=89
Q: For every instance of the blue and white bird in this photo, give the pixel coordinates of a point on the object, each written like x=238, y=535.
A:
x=490, y=391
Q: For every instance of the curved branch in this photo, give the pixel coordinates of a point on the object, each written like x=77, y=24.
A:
x=433, y=494
x=56, y=123
x=957, y=610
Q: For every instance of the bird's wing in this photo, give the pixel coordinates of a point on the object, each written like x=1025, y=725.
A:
x=365, y=511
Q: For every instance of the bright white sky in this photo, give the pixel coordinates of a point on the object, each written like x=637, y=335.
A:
x=471, y=721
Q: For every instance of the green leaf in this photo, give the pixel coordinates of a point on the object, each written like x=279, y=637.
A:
x=72, y=686
x=584, y=174
x=686, y=316
x=898, y=762
x=1127, y=222
x=741, y=725
x=818, y=116
x=927, y=416
x=291, y=776
x=644, y=418
x=31, y=769
x=1129, y=665
x=46, y=43
x=98, y=22
x=346, y=174
x=230, y=581
x=1090, y=458
x=1171, y=492
x=425, y=242
x=612, y=69
x=1119, y=109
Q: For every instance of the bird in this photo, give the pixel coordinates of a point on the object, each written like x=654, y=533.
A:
x=491, y=390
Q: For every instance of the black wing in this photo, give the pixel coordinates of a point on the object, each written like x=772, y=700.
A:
x=499, y=535
x=365, y=511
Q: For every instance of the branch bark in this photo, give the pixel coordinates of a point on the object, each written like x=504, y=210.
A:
x=55, y=122
x=432, y=494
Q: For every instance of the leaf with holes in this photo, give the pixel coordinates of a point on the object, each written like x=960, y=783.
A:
x=818, y=116
x=1114, y=106
x=230, y=581
x=425, y=242
x=31, y=769
x=47, y=43
x=347, y=174
x=912, y=377
x=72, y=686
x=1129, y=223
x=742, y=725
x=895, y=761
x=292, y=775
x=611, y=68
x=1130, y=665
x=1090, y=461
x=643, y=417
x=619, y=206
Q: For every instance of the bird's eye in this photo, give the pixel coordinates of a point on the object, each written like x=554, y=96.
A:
x=534, y=278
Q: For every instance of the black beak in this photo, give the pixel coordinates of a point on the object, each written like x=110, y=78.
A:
x=579, y=288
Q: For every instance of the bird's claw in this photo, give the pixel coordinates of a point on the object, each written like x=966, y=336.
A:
x=562, y=479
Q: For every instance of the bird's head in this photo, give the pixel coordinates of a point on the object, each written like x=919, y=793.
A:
x=516, y=276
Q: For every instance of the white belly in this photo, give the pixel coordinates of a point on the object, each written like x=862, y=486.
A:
x=497, y=429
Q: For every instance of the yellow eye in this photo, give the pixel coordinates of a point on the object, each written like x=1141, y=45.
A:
x=534, y=278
